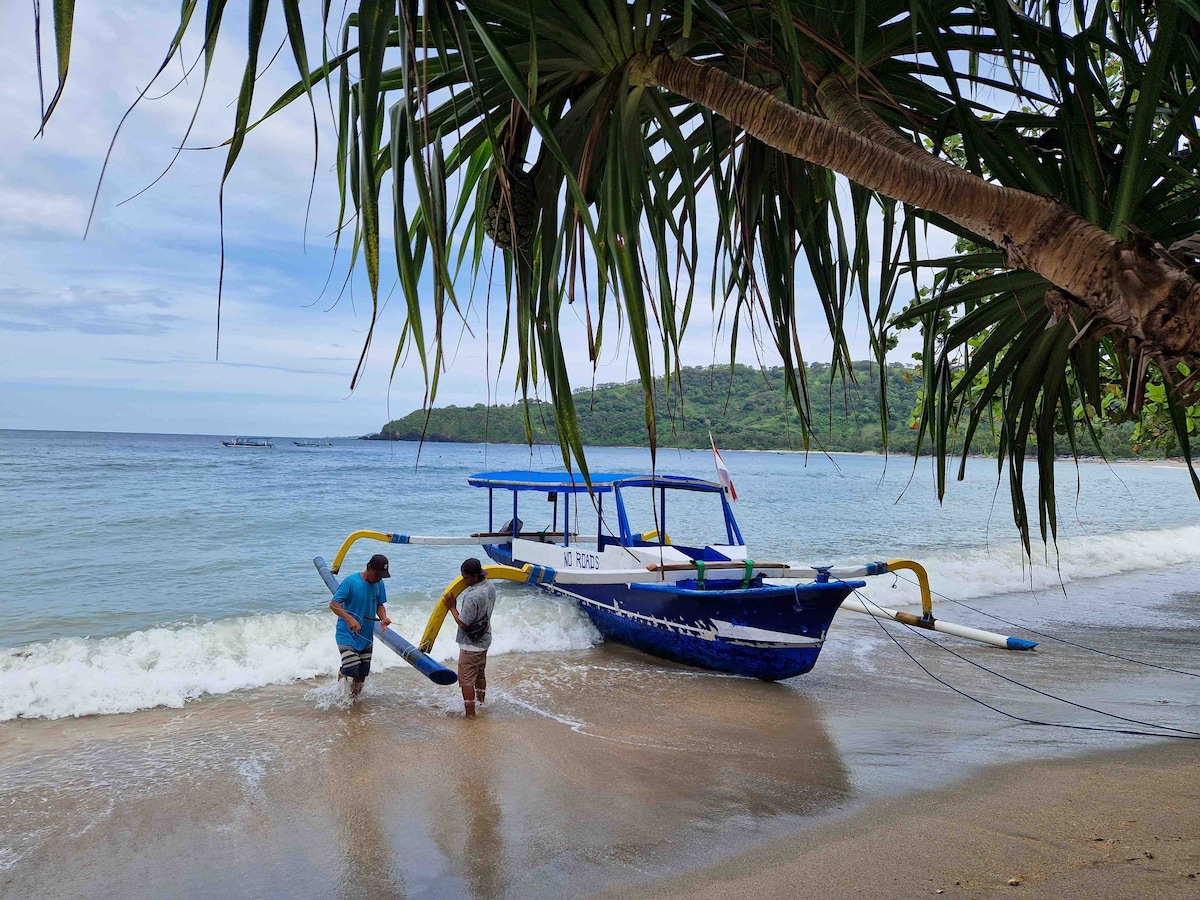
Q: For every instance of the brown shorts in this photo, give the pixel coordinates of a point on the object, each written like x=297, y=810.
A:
x=471, y=665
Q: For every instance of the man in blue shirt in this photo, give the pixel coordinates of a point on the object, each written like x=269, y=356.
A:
x=358, y=602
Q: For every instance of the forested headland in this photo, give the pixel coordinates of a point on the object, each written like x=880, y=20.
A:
x=745, y=408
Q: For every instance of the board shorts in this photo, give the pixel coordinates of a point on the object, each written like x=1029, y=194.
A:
x=471, y=666
x=355, y=663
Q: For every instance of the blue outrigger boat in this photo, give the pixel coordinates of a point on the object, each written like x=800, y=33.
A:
x=703, y=601
x=704, y=605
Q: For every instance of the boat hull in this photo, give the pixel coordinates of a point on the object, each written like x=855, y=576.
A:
x=768, y=632
x=761, y=631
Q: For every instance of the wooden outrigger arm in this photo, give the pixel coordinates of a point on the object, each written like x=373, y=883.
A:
x=926, y=619
x=526, y=574
x=477, y=539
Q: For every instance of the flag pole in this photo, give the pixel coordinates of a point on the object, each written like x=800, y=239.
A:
x=722, y=471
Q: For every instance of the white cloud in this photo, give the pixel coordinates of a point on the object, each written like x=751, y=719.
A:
x=33, y=212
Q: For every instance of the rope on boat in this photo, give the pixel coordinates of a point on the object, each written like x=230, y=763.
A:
x=1182, y=733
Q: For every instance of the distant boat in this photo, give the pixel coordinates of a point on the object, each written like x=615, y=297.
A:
x=312, y=442
x=249, y=443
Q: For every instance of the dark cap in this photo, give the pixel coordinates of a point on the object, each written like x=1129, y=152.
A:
x=471, y=566
x=379, y=563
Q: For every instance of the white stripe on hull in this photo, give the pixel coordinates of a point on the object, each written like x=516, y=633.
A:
x=763, y=636
x=725, y=632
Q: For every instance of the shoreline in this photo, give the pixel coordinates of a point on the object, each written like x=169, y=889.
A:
x=1168, y=461
x=1121, y=823
x=594, y=767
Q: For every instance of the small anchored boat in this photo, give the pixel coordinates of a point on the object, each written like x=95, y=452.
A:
x=700, y=599
x=312, y=442
x=249, y=443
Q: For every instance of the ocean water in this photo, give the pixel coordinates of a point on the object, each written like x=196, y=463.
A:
x=153, y=570
x=168, y=695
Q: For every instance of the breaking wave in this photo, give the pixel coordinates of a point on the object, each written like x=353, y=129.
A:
x=168, y=666
x=1005, y=569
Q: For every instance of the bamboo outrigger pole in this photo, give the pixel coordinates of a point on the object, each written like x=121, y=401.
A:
x=426, y=665
x=479, y=538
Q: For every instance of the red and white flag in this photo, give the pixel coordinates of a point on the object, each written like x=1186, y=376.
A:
x=722, y=471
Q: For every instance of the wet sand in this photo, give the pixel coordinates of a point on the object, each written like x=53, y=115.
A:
x=592, y=769
x=590, y=773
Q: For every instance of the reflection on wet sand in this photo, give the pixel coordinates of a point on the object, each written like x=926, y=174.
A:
x=587, y=767
x=659, y=756
x=356, y=792
x=468, y=832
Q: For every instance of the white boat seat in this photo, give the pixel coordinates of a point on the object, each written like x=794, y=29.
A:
x=657, y=555
x=729, y=551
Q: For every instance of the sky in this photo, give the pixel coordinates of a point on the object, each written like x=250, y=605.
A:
x=118, y=331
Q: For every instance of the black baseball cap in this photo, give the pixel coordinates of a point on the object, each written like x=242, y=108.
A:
x=379, y=563
x=471, y=566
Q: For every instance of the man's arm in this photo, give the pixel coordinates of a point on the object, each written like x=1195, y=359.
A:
x=384, y=621
x=451, y=604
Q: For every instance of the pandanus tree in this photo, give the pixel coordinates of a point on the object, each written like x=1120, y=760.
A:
x=636, y=154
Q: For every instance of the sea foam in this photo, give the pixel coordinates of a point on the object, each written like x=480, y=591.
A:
x=79, y=676
x=1004, y=569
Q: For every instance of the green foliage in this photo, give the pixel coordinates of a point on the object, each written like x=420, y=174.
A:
x=1152, y=427
x=745, y=408
x=748, y=409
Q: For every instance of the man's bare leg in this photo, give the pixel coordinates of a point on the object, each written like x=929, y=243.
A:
x=356, y=686
x=481, y=690
x=468, y=701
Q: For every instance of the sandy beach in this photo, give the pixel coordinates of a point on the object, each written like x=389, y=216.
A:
x=1121, y=824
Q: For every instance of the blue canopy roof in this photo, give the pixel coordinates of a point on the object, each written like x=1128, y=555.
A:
x=573, y=483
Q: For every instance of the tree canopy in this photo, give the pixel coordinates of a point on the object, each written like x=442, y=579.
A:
x=743, y=408
x=746, y=408
x=639, y=154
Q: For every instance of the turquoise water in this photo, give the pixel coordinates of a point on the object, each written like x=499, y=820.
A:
x=145, y=570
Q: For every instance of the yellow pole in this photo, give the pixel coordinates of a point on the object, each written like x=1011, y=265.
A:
x=349, y=542
x=922, y=580
x=526, y=573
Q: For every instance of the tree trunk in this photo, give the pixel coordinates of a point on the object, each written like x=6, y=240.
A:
x=1122, y=285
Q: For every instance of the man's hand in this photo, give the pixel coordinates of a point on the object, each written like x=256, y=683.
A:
x=353, y=624
x=449, y=599
x=384, y=622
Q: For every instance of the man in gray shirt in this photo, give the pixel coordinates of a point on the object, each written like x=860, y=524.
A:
x=473, y=613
